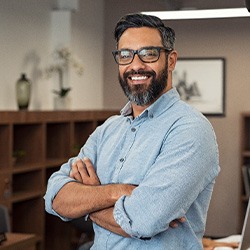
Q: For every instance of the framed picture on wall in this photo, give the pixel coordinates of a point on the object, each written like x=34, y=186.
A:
x=201, y=83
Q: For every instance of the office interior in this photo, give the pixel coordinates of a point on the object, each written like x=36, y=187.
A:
x=26, y=46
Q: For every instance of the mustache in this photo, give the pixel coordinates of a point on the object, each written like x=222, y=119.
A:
x=139, y=72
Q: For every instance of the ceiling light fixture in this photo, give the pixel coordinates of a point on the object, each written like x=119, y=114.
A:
x=200, y=14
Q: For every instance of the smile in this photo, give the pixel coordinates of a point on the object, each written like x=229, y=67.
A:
x=138, y=78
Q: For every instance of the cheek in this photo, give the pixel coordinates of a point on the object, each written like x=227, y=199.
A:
x=158, y=70
x=160, y=65
x=121, y=70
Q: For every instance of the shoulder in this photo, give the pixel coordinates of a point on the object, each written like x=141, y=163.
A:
x=181, y=114
x=111, y=124
x=189, y=124
x=112, y=120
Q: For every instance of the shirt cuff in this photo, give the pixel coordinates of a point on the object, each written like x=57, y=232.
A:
x=50, y=195
x=122, y=218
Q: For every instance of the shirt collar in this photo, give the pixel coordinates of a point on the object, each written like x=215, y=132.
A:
x=127, y=109
x=163, y=103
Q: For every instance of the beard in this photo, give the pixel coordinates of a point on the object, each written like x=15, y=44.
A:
x=142, y=94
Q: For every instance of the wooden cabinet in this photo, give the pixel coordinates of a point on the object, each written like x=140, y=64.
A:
x=33, y=145
x=245, y=159
x=19, y=242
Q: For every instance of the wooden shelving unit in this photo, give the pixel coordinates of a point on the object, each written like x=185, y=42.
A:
x=33, y=145
x=245, y=157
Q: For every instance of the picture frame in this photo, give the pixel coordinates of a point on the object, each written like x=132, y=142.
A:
x=201, y=83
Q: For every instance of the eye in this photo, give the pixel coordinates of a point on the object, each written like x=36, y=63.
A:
x=125, y=54
x=149, y=53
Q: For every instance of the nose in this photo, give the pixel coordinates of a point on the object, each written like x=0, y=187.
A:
x=137, y=63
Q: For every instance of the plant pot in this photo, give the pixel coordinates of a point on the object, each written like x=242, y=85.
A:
x=62, y=103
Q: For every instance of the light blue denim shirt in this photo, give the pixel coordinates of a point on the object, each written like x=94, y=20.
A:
x=170, y=152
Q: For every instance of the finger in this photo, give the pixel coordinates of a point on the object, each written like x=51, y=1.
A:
x=81, y=168
x=76, y=176
x=89, y=166
x=91, y=170
x=173, y=224
x=182, y=219
x=74, y=173
x=79, y=171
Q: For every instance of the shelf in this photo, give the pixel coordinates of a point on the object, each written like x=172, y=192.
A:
x=33, y=145
x=245, y=160
x=29, y=216
x=55, y=162
x=5, y=146
x=24, y=196
x=26, y=180
x=56, y=231
x=82, y=130
x=27, y=143
x=244, y=198
x=29, y=167
x=5, y=187
x=246, y=153
x=58, y=140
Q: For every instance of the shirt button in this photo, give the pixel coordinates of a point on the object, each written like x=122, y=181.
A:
x=151, y=116
x=122, y=160
x=133, y=129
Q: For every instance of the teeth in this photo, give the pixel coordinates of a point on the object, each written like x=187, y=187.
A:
x=138, y=78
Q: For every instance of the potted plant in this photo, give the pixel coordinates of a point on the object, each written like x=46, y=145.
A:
x=17, y=155
x=63, y=58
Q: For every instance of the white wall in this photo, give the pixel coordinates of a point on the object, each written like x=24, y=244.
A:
x=88, y=40
x=25, y=47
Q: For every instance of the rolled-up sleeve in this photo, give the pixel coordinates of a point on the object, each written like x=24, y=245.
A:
x=61, y=177
x=55, y=183
x=184, y=170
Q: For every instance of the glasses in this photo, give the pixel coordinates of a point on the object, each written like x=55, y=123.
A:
x=146, y=55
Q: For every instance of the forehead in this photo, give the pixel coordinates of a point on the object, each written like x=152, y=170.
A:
x=135, y=38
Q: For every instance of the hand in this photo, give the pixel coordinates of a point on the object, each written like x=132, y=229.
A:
x=174, y=223
x=210, y=244
x=84, y=172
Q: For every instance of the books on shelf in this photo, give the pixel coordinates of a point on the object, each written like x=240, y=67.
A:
x=246, y=179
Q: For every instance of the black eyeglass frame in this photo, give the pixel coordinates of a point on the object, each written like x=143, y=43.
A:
x=134, y=52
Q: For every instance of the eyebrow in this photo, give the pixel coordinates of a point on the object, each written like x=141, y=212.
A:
x=146, y=47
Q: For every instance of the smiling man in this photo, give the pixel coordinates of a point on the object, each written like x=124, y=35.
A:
x=155, y=162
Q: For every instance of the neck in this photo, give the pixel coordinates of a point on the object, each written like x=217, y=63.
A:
x=137, y=110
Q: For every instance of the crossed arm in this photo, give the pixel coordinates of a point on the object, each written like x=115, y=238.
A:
x=88, y=196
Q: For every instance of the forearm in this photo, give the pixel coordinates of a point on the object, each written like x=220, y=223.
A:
x=105, y=219
x=76, y=199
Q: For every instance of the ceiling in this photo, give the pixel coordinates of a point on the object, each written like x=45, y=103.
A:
x=161, y=5
x=202, y=4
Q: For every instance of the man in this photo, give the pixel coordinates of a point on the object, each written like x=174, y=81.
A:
x=155, y=162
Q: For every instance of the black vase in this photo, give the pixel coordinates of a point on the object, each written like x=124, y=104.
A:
x=23, y=90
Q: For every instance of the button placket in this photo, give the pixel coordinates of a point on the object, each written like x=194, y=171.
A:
x=130, y=137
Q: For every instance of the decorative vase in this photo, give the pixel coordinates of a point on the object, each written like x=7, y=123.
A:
x=23, y=90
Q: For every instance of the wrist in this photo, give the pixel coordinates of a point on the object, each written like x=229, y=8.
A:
x=118, y=190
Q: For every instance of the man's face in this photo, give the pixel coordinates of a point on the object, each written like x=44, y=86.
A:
x=143, y=82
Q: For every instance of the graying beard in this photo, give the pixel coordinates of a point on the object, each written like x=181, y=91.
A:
x=141, y=99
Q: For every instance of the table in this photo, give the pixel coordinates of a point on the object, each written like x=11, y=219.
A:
x=18, y=241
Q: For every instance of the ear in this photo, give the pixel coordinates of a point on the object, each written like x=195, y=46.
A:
x=172, y=58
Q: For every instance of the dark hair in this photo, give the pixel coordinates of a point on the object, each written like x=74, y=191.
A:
x=138, y=20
